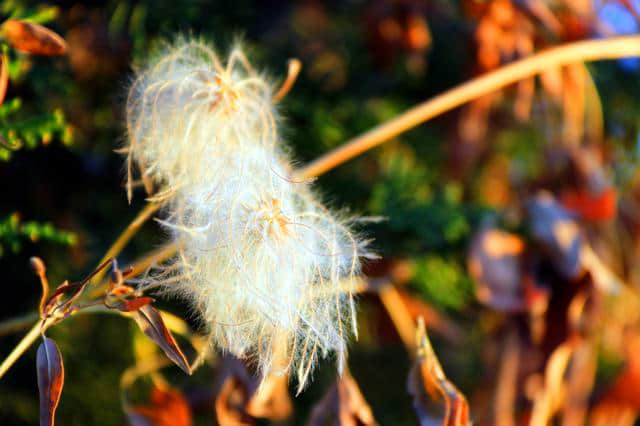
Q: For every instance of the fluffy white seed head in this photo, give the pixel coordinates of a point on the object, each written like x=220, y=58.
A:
x=187, y=103
x=266, y=266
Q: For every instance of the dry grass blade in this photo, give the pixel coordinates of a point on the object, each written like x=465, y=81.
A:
x=548, y=400
x=437, y=401
x=506, y=389
x=152, y=324
x=589, y=50
x=50, y=380
x=33, y=38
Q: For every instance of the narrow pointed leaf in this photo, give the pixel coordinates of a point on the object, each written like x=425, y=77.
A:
x=150, y=322
x=50, y=380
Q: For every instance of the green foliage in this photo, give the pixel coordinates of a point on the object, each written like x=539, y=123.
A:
x=443, y=281
x=40, y=14
x=32, y=131
x=13, y=233
x=426, y=213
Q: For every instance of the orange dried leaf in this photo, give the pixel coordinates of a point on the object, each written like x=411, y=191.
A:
x=435, y=399
x=167, y=407
x=33, y=38
x=50, y=372
x=151, y=324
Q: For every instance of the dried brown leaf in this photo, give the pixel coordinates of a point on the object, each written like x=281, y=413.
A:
x=231, y=401
x=272, y=400
x=344, y=403
x=239, y=399
x=50, y=372
x=436, y=400
x=33, y=38
x=150, y=322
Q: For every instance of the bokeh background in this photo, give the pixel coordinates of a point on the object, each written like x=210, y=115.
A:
x=469, y=239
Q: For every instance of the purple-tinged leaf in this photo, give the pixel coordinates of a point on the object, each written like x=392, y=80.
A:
x=50, y=380
x=150, y=322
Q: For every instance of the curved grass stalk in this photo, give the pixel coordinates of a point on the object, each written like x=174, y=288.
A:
x=590, y=50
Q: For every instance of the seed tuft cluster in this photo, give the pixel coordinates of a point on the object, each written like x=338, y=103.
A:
x=267, y=267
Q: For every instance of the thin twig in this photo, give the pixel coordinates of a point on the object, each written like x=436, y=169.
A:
x=590, y=50
x=37, y=329
x=399, y=315
x=13, y=325
x=126, y=235
x=155, y=257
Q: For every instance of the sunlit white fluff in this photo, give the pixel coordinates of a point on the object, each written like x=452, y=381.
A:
x=267, y=267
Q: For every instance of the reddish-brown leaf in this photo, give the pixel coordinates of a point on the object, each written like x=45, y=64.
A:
x=33, y=38
x=50, y=380
x=151, y=324
x=167, y=407
x=134, y=304
x=436, y=400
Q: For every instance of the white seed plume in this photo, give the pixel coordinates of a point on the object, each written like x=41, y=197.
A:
x=267, y=267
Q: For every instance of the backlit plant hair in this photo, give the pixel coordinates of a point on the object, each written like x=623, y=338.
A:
x=268, y=268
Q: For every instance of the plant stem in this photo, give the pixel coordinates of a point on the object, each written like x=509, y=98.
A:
x=24, y=344
x=590, y=50
x=157, y=256
x=14, y=325
x=125, y=236
x=400, y=316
